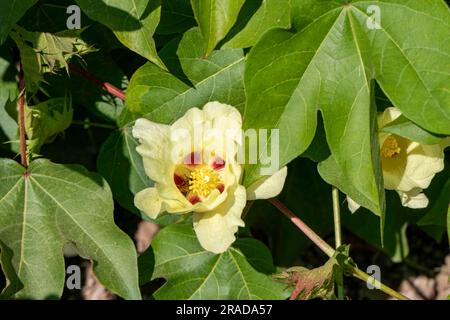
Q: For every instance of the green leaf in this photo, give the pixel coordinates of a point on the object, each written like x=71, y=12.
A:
x=255, y=18
x=215, y=18
x=120, y=164
x=413, y=71
x=318, y=150
x=133, y=22
x=48, y=205
x=8, y=94
x=257, y=255
x=46, y=120
x=160, y=96
x=6, y=256
x=146, y=265
x=330, y=65
x=9, y=130
x=176, y=17
x=10, y=12
x=409, y=130
x=193, y=273
x=294, y=74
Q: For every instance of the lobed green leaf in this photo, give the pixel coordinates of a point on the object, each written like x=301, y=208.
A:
x=41, y=211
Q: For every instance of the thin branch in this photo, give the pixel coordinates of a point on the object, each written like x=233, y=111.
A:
x=21, y=107
x=94, y=124
x=329, y=251
x=338, y=239
x=325, y=247
x=359, y=274
x=111, y=89
x=337, y=217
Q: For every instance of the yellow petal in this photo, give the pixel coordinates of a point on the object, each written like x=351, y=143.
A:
x=389, y=115
x=414, y=199
x=215, y=128
x=422, y=164
x=215, y=229
x=352, y=205
x=222, y=116
x=163, y=148
x=192, y=119
x=154, y=149
x=267, y=187
x=149, y=202
x=394, y=167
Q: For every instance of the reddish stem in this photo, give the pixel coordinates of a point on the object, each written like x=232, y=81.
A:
x=329, y=251
x=104, y=85
x=23, y=140
x=314, y=237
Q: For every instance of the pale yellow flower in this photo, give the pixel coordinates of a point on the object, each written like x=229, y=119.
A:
x=194, y=167
x=408, y=166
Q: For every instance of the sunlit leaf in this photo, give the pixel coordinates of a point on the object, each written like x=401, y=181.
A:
x=255, y=18
x=133, y=22
x=409, y=130
x=193, y=273
x=160, y=96
x=330, y=65
x=215, y=18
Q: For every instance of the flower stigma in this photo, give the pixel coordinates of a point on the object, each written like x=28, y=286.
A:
x=390, y=148
x=203, y=180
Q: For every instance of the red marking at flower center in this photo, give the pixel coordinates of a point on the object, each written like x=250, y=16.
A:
x=218, y=163
x=221, y=187
x=194, y=199
x=193, y=158
x=179, y=181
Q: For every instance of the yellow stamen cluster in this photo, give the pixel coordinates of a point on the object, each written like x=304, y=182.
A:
x=390, y=147
x=203, y=180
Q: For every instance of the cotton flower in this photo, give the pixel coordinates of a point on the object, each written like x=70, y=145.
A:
x=408, y=166
x=194, y=167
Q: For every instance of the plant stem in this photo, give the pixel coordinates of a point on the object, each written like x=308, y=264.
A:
x=338, y=240
x=337, y=217
x=325, y=247
x=102, y=84
x=357, y=273
x=23, y=140
x=329, y=251
x=94, y=124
